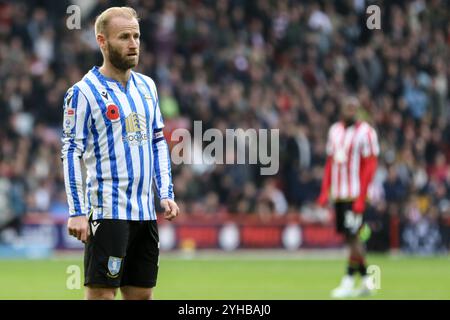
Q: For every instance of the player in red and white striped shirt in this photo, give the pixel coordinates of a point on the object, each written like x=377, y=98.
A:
x=352, y=149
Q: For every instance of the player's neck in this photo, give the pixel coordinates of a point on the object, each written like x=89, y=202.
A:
x=348, y=122
x=108, y=70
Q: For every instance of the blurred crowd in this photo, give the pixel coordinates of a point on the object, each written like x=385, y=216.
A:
x=243, y=64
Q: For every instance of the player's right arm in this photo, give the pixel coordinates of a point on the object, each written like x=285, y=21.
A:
x=326, y=180
x=162, y=169
x=75, y=133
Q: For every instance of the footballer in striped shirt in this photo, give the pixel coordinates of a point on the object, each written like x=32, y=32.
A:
x=112, y=121
x=352, y=150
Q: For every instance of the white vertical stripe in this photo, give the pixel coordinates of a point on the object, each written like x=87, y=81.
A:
x=163, y=161
x=375, y=144
x=90, y=164
x=356, y=161
x=355, y=168
x=335, y=136
x=334, y=179
x=348, y=140
x=68, y=189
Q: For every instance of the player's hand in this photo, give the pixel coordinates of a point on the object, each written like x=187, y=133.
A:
x=359, y=205
x=78, y=227
x=322, y=200
x=171, y=209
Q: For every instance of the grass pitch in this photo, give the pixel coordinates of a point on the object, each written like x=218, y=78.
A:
x=239, y=276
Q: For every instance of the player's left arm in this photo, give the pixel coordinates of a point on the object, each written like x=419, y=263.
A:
x=162, y=168
x=368, y=167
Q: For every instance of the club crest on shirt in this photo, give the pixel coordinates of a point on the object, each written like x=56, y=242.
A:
x=114, y=264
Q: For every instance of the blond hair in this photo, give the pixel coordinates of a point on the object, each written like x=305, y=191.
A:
x=101, y=22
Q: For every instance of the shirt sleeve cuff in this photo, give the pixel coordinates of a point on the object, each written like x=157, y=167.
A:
x=77, y=214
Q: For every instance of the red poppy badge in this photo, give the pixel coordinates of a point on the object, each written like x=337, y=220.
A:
x=112, y=112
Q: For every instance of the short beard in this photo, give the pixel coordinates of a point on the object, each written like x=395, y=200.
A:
x=118, y=61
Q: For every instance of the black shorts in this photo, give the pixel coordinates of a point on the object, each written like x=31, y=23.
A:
x=341, y=208
x=122, y=253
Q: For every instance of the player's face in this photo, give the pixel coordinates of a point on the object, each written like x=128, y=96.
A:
x=349, y=110
x=122, y=43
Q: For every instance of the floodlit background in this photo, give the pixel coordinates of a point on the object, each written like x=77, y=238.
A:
x=241, y=64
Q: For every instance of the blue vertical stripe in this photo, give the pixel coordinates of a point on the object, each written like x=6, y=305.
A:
x=89, y=186
x=126, y=146
x=111, y=150
x=170, y=186
x=85, y=136
x=70, y=155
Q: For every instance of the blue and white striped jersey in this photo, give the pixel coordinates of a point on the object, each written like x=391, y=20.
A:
x=117, y=132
